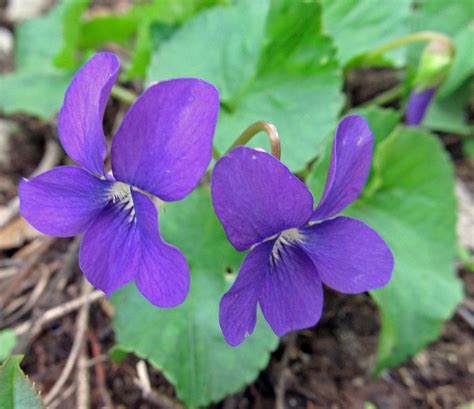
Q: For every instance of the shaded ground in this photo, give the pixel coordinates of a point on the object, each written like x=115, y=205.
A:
x=326, y=367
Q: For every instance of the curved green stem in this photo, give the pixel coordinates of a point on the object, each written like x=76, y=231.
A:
x=123, y=94
x=386, y=97
x=412, y=38
x=254, y=129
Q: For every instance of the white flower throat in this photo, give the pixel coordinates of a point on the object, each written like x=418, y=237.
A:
x=286, y=238
x=121, y=194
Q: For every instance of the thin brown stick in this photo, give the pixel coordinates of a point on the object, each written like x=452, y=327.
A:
x=99, y=369
x=285, y=373
x=25, y=270
x=60, y=280
x=64, y=396
x=14, y=305
x=82, y=323
x=33, y=296
x=466, y=315
x=57, y=312
x=83, y=386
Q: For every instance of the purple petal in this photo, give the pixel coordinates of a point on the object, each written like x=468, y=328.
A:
x=238, y=307
x=163, y=277
x=292, y=294
x=80, y=118
x=256, y=196
x=109, y=255
x=164, y=144
x=62, y=201
x=418, y=104
x=123, y=244
x=350, y=165
x=350, y=257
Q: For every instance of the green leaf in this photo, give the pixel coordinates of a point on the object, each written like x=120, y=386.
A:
x=148, y=33
x=37, y=93
x=15, y=390
x=382, y=121
x=414, y=209
x=468, y=148
x=117, y=354
x=8, y=341
x=107, y=28
x=280, y=68
x=230, y=63
x=186, y=343
x=463, y=66
x=138, y=20
x=360, y=26
x=449, y=114
x=37, y=41
x=37, y=86
x=66, y=57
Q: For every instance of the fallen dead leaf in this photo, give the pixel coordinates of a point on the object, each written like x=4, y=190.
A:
x=16, y=233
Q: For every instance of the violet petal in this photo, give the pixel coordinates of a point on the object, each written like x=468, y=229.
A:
x=291, y=297
x=80, y=119
x=350, y=257
x=256, y=196
x=238, y=306
x=62, y=201
x=123, y=243
x=350, y=164
x=163, y=275
x=417, y=106
x=164, y=144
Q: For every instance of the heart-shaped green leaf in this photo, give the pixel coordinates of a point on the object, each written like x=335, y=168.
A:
x=16, y=391
x=270, y=61
x=186, y=343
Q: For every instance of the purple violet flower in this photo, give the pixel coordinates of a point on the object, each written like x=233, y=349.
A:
x=294, y=249
x=162, y=148
x=417, y=106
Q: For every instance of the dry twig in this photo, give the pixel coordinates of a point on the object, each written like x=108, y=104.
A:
x=25, y=270
x=82, y=323
x=57, y=312
x=99, y=369
x=285, y=373
x=466, y=315
x=56, y=403
x=60, y=280
x=83, y=387
x=143, y=382
x=34, y=296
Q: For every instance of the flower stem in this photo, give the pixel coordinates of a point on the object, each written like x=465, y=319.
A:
x=254, y=129
x=123, y=94
x=386, y=97
x=412, y=38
